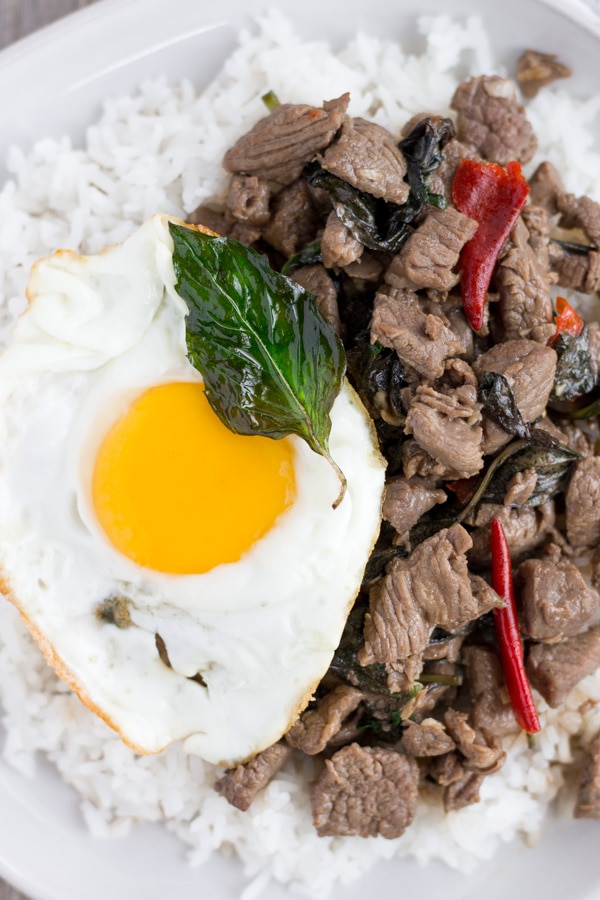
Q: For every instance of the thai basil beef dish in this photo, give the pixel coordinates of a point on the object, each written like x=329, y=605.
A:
x=300, y=484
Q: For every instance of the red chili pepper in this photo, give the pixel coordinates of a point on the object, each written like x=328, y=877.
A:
x=509, y=637
x=567, y=321
x=463, y=488
x=494, y=197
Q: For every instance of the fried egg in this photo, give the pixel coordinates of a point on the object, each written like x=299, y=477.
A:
x=188, y=583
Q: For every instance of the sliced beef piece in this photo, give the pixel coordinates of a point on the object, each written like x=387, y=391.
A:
x=555, y=600
x=365, y=791
x=529, y=368
x=578, y=271
x=491, y=121
x=526, y=528
x=447, y=427
x=431, y=587
x=594, y=332
x=520, y=488
x=210, y=218
x=339, y=247
x=555, y=669
x=545, y=186
x=248, y=200
x=281, y=144
x=316, y=280
x=587, y=805
x=522, y=278
x=446, y=769
x=428, y=738
x=317, y=726
x=481, y=750
x=422, y=340
x=536, y=70
x=582, y=213
x=491, y=710
x=464, y=791
x=406, y=499
x=293, y=221
x=367, y=157
x=570, y=434
x=582, y=503
x=442, y=178
x=368, y=268
x=429, y=257
x=240, y=786
x=246, y=234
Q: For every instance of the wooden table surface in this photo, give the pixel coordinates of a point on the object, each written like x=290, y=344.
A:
x=18, y=18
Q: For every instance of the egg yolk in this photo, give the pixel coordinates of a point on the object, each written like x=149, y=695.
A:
x=175, y=490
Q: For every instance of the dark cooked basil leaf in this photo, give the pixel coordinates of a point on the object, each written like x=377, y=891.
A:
x=587, y=412
x=271, y=364
x=498, y=403
x=574, y=368
x=422, y=149
x=308, y=256
x=372, y=221
x=552, y=466
x=375, y=369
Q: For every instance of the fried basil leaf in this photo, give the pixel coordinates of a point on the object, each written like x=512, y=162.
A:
x=422, y=150
x=308, y=256
x=375, y=369
x=271, y=363
x=574, y=368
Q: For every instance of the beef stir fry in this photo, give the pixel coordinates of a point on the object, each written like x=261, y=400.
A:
x=484, y=393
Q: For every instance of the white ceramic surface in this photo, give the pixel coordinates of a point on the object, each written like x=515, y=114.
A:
x=52, y=83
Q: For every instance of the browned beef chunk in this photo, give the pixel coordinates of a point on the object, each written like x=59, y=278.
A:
x=555, y=669
x=464, y=791
x=281, y=144
x=422, y=340
x=209, y=218
x=294, y=219
x=525, y=527
x=580, y=212
x=582, y=503
x=529, y=369
x=406, y=499
x=524, y=306
x=537, y=70
x=491, y=121
x=367, y=156
x=520, y=488
x=429, y=257
x=248, y=200
x=545, y=185
x=316, y=280
x=430, y=587
x=441, y=180
x=240, y=786
x=365, y=791
x=491, y=710
x=587, y=805
x=339, y=247
x=367, y=268
x=481, y=750
x=447, y=426
x=555, y=600
x=428, y=738
x=580, y=272
x=317, y=726
x=594, y=332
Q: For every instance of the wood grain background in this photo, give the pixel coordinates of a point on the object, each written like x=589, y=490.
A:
x=17, y=19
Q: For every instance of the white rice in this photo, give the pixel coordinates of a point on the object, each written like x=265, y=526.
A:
x=160, y=150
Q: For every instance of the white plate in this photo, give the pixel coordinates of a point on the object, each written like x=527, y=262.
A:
x=52, y=83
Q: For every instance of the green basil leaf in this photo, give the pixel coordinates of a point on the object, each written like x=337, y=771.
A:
x=271, y=364
x=574, y=369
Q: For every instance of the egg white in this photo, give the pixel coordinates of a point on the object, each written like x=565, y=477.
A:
x=98, y=331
